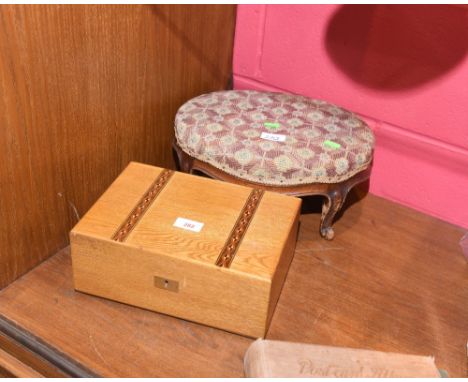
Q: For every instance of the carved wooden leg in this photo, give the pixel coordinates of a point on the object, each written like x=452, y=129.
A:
x=186, y=163
x=185, y=160
x=333, y=202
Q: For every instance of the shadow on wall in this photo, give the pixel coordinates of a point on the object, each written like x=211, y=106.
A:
x=395, y=47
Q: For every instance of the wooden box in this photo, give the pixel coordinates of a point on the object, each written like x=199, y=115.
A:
x=191, y=247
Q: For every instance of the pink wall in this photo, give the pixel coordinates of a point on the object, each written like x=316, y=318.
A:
x=403, y=68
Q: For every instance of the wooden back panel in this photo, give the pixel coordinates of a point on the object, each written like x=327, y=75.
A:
x=83, y=91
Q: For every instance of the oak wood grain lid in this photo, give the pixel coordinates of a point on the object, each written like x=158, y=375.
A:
x=193, y=217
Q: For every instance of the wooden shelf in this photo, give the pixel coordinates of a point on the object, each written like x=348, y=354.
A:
x=392, y=280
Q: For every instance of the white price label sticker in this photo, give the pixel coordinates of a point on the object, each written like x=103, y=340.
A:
x=273, y=137
x=189, y=225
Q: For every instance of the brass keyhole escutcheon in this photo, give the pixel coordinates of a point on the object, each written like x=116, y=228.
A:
x=166, y=284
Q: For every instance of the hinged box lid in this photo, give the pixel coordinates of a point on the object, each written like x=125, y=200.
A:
x=194, y=218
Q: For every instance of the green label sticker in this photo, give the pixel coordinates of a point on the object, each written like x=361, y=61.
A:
x=331, y=144
x=271, y=125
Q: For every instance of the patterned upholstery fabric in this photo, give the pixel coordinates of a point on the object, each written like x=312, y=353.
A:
x=274, y=138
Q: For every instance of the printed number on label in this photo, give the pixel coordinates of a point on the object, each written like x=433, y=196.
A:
x=190, y=225
x=273, y=137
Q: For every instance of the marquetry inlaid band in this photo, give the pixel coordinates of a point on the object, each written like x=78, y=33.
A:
x=145, y=202
x=234, y=240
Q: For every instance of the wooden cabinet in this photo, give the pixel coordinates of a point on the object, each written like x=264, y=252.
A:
x=84, y=90
x=20, y=354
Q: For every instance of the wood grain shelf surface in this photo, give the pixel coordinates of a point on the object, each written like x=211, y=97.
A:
x=392, y=280
x=13, y=367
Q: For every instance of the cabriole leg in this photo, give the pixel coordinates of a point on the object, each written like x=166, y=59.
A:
x=333, y=202
x=185, y=160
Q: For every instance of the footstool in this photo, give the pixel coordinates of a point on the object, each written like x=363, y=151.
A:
x=276, y=141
